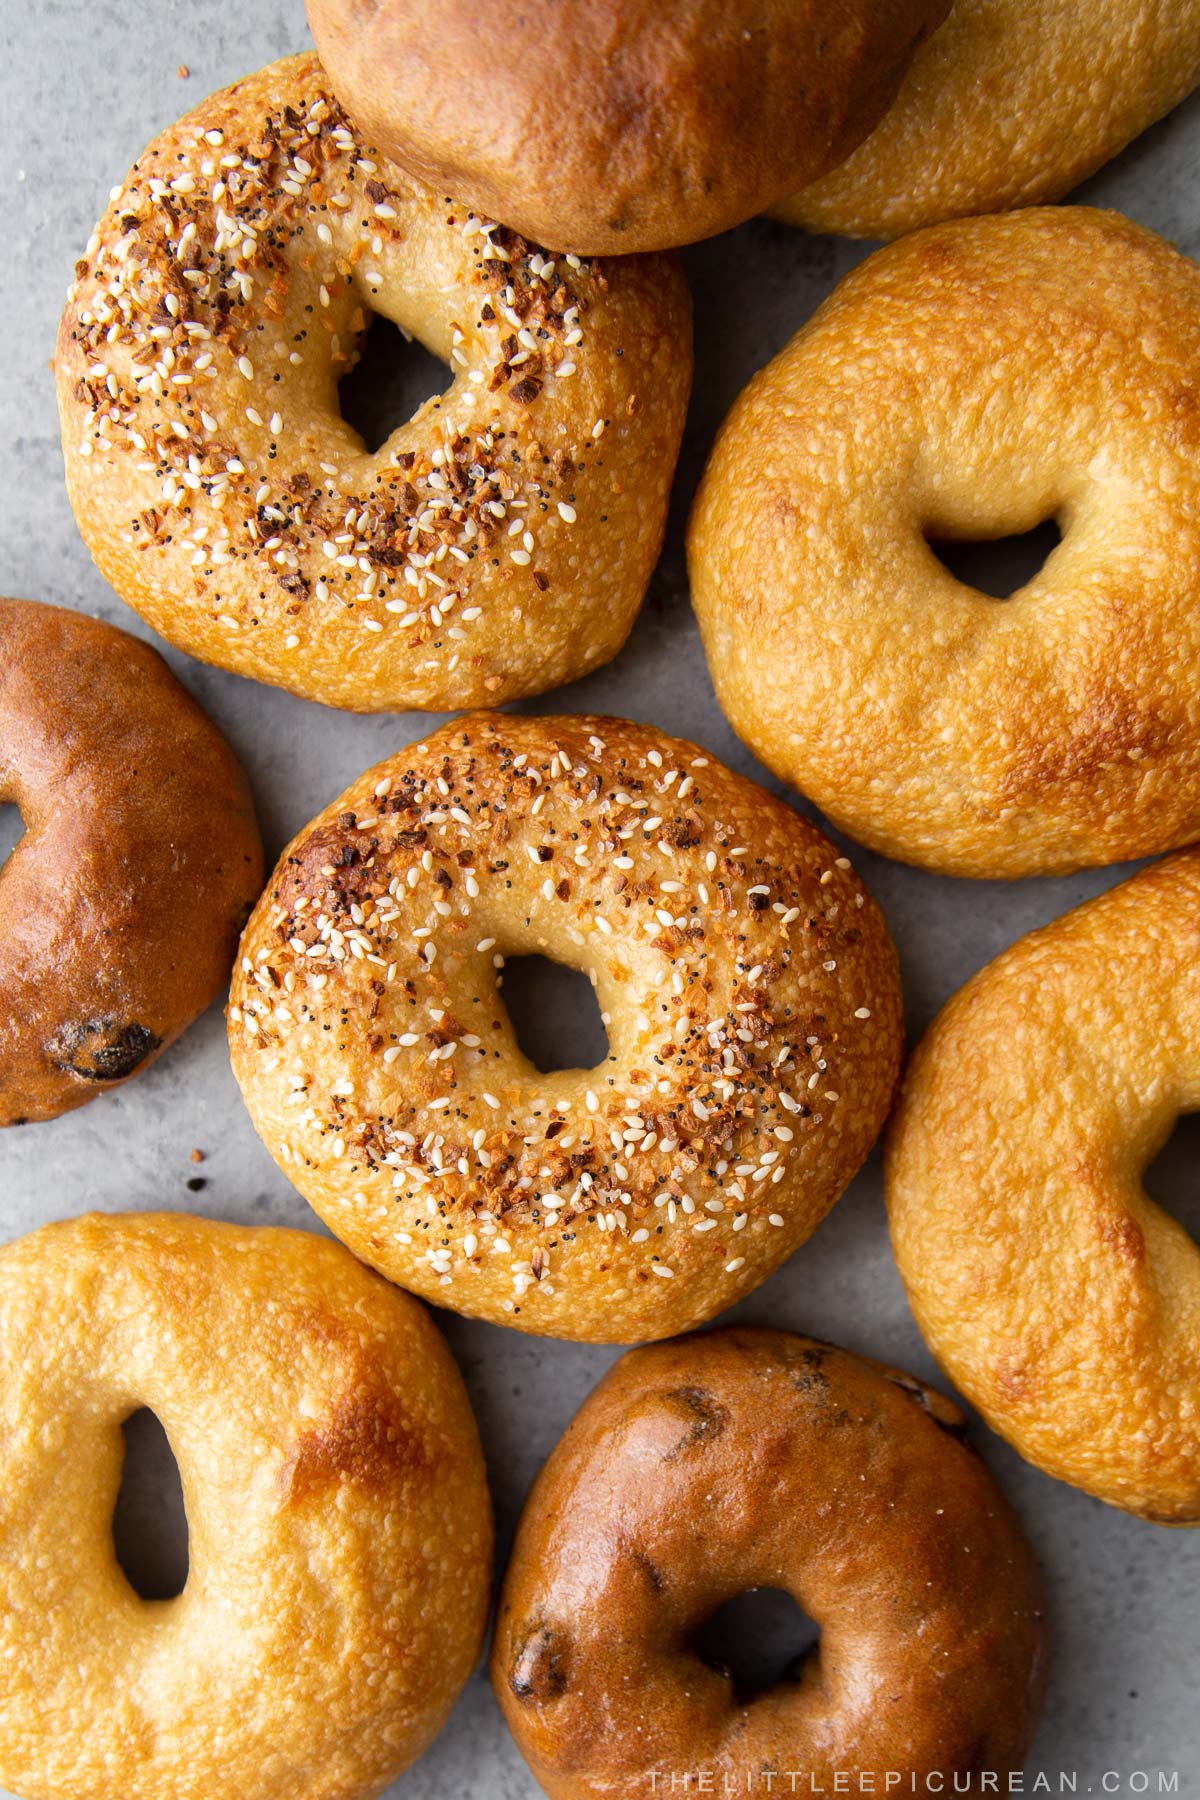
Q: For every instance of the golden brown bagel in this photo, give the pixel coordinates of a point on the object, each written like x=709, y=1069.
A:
x=121, y=905
x=607, y=126
x=338, y=1517
x=497, y=544
x=970, y=382
x=702, y=1468
x=749, y=984
x=1011, y=102
x=1061, y=1300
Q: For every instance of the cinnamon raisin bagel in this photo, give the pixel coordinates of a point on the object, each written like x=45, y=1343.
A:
x=748, y=983
x=1011, y=102
x=339, y=1528
x=121, y=905
x=1061, y=1300
x=608, y=126
x=498, y=543
x=972, y=381
x=699, y=1469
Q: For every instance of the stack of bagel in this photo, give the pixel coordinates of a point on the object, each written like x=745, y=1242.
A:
x=512, y=191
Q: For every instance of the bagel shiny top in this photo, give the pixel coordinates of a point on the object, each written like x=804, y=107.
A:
x=704, y=1468
x=972, y=381
x=1055, y=1291
x=618, y=125
x=121, y=905
x=339, y=1528
x=1009, y=104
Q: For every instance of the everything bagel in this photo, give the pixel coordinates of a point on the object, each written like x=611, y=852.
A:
x=749, y=983
x=1061, y=1300
x=121, y=905
x=339, y=1528
x=1010, y=103
x=699, y=1469
x=497, y=544
x=972, y=381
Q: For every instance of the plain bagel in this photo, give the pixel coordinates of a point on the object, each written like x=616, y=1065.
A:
x=339, y=1526
x=498, y=543
x=706, y=1467
x=1054, y=1292
x=972, y=381
x=609, y=126
x=1010, y=103
x=121, y=905
x=753, y=1015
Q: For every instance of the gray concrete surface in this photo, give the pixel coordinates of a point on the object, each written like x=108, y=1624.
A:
x=86, y=84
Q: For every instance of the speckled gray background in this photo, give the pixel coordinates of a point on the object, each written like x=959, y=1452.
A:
x=86, y=84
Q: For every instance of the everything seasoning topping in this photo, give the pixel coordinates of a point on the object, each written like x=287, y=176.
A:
x=379, y=959
x=228, y=286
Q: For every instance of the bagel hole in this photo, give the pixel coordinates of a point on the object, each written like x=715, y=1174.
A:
x=12, y=830
x=554, y=1014
x=392, y=379
x=997, y=567
x=150, y=1528
x=1172, y=1180
x=756, y=1640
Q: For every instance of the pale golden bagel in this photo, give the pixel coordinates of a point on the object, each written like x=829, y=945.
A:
x=606, y=126
x=338, y=1517
x=1061, y=1300
x=122, y=903
x=699, y=1469
x=970, y=382
x=753, y=1016
x=1010, y=102
x=497, y=544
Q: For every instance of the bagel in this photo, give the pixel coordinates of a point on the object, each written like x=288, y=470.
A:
x=699, y=1469
x=497, y=544
x=338, y=1517
x=1061, y=1300
x=751, y=997
x=972, y=381
x=1010, y=103
x=608, y=126
x=121, y=905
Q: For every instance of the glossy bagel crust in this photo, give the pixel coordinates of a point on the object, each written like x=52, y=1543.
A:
x=1061, y=1300
x=972, y=381
x=1009, y=103
x=748, y=981
x=608, y=126
x=701, y=1468
x=121, y=905
x=339, y=1524
x=497, y=544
